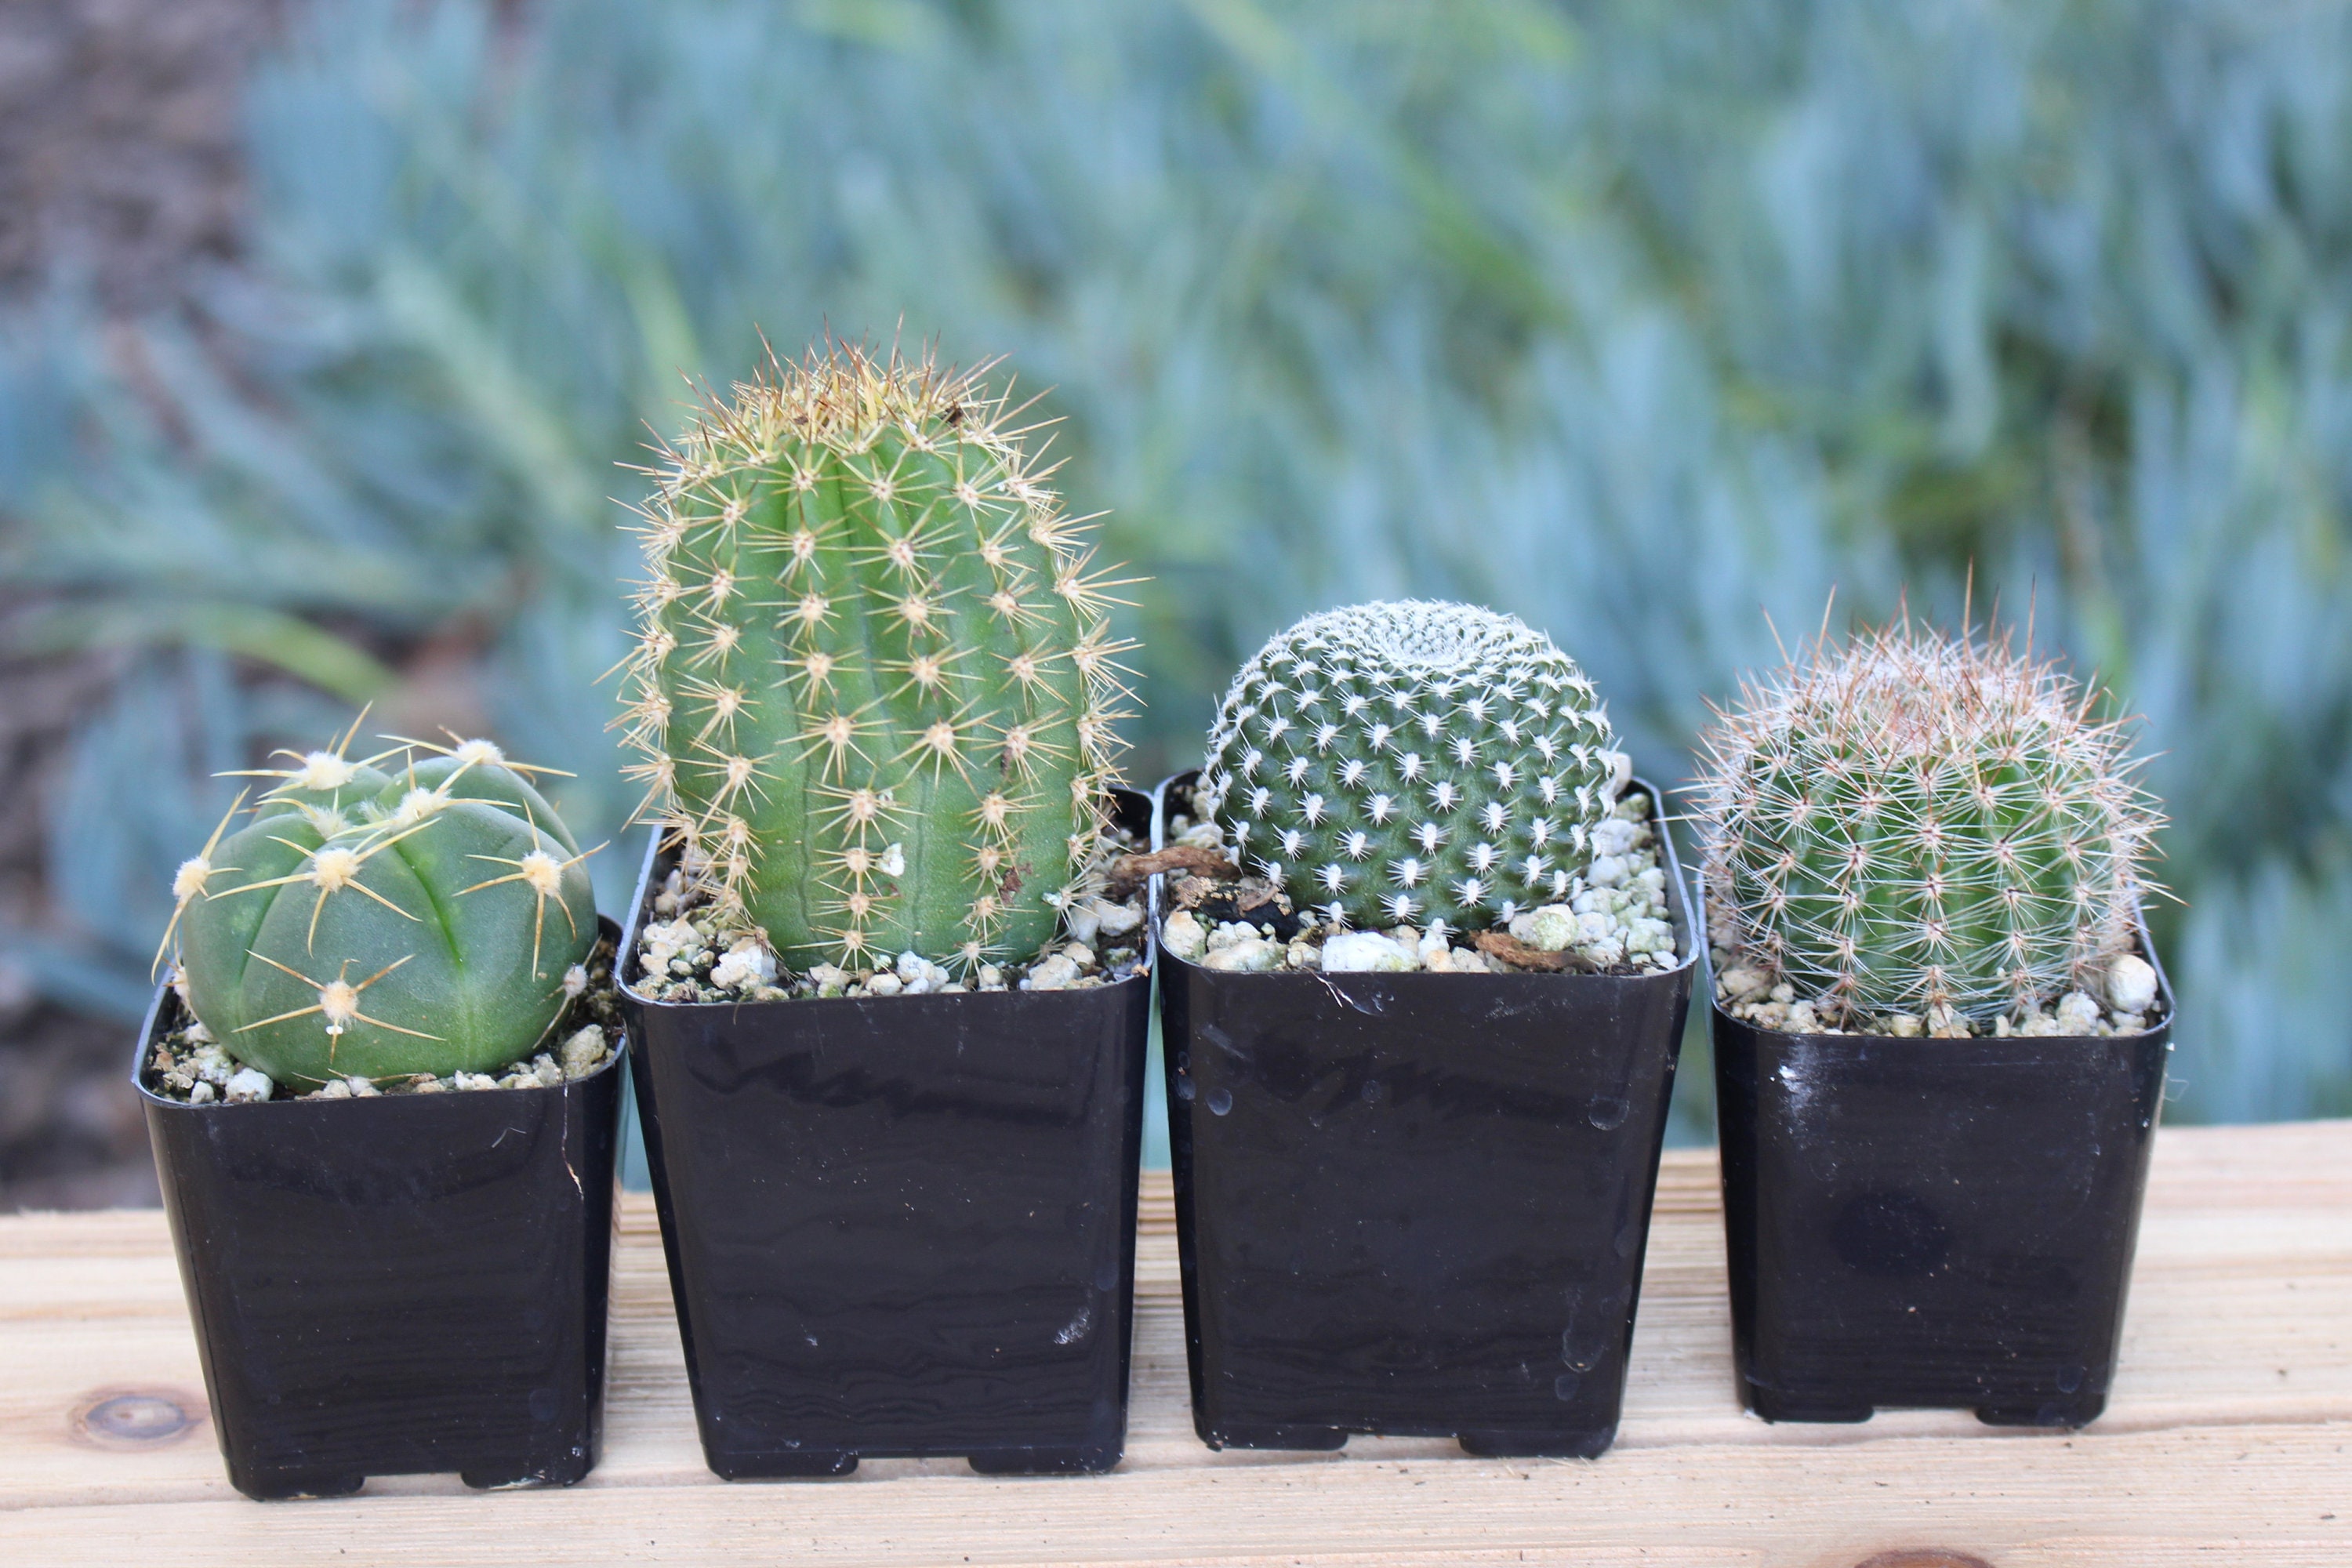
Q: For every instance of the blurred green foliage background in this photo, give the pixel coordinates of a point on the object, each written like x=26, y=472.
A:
x=1644, y=321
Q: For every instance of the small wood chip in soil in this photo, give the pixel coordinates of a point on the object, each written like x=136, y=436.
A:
x=1129, y=872
x=1502, y=945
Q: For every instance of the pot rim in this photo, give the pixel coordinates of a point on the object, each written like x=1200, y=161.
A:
x=1690, y=927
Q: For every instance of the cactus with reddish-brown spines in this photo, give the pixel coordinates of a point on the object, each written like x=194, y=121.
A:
x=874, y=687
x=1915, y=824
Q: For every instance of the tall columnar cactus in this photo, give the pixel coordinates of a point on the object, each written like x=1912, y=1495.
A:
x=385, y=921
x=1414, y=762
x=875, y=686
x=1915, y=821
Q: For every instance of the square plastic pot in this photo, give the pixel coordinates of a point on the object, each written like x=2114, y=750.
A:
x=1417, y=1204
x=1925, y=1223
x=396, y=1285
x=900, y=1226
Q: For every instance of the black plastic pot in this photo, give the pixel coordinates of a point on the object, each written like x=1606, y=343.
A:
x=396, y=1285
x=1416, y=1204
x=1945, y=1224
x=900, y=1226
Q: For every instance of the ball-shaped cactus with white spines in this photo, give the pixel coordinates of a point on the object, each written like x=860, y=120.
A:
x=1912, y=822
x=385, y=920
x=1414, y=762
x=874, y=690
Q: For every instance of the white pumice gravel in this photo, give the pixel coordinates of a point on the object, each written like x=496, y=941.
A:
x=1748, y=992
x=690, y=955
x=188, y=1065
x=1183, y=936
x=248, y=1086
x=542, y=1073
x=1615, y=918
x=1367, y=952
x=2131, y=984
x=1245, y=951
x=1055, y=972
x=584, y=1051
x=2077, y=1013
x=746, y=965
x=1098, y=920
x=919, y=976
x=1198, y=836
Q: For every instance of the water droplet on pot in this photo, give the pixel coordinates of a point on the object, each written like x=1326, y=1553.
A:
x=1583, y=1348
x=2070, y=1378
x=1608, y=1111
x=1184, y=1087
x=1220, y=1101
x=1372, y=1091
x=1564, y=1385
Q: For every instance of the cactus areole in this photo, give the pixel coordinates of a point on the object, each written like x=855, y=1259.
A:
x=385, y=921
x=875, y=686
x=1414, y=761
x=1912, y=822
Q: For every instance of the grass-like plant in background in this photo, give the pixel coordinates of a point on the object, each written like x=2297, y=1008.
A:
x=1624, y=321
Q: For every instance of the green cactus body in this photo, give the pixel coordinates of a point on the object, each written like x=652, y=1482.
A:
x=875, y=682
x=386, y=923
x=1917, y=822
x=1414, y=762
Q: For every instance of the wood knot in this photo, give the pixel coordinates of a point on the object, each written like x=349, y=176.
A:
x=134, y=1419
x=1923, y=1557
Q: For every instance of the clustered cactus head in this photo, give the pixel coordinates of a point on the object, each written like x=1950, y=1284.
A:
x=1414, y=761
x=1914, y=821
x=383, y=919
x=875, y=689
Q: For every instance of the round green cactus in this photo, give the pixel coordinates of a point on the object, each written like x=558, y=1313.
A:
x=1414, y=761
x=874, y=685
x=384, y=923
x=1913, y=822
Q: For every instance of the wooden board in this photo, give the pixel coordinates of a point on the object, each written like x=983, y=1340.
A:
x=2228, y=1440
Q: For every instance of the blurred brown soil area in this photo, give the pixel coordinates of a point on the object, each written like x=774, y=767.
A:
x=119, y=138
x=119, y=163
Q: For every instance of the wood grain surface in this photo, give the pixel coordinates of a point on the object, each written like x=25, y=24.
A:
x=2228, y=1440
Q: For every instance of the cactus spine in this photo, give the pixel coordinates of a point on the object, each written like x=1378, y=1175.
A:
x=1915, y=822
x=1414, y=761
x=383, y=922
x=875, y=686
